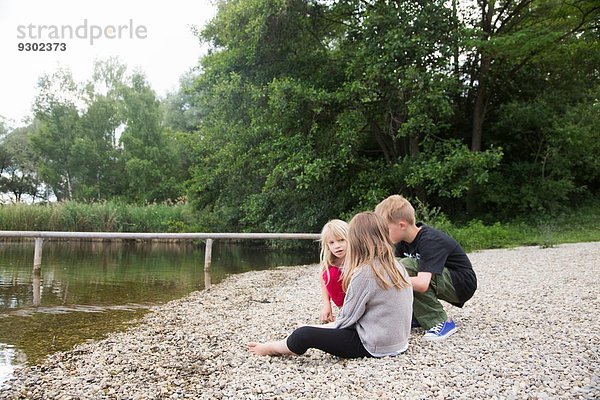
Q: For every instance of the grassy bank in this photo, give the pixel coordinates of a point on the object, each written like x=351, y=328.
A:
x=581, y=224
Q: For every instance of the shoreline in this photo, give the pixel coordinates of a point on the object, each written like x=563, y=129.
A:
x=530, y=331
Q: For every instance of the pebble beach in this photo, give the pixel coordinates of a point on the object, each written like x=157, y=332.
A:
x=532, y=331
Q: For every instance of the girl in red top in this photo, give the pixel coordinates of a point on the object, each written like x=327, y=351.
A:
x=333, y=253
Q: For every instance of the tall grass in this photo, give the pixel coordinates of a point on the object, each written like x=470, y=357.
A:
x=96, y=217
x=577, y=225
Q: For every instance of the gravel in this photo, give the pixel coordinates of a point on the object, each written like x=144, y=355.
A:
x=530, y=332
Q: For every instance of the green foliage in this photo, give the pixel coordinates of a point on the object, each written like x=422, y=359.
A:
x=180, y=109
x=150, y=163
x=475, y=235
x=396, y=59
x=56, y=131
x=100, y=168
x=18, y=165
x=433, y=216
x=572, y=225
x=313, y=111
x=293, y=99
x=370, y=185
x=449, y=169
x=551, y=155
x=103, y=139
x=97, y=217
x=259, y=159
x=575, y=142
x=306, y=111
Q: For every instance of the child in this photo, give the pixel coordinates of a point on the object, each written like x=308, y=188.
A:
x=375, y=318
x=440, y=269
x=333, y=252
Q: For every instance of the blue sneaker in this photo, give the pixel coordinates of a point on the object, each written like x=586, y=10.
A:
x=441, y=331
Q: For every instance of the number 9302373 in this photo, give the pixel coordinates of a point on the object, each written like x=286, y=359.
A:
x=45, y=46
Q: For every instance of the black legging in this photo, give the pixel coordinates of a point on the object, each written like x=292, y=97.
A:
x=343, y=343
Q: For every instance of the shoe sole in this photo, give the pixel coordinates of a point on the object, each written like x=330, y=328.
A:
x=440, y=338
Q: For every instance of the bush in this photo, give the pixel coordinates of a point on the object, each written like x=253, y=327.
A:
x=476, y=236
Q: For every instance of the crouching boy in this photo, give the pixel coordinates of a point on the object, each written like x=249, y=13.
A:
x=440, y=269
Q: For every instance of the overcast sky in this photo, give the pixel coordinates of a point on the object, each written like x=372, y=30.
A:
x=153, y=36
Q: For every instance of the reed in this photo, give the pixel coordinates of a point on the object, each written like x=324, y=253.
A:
x=96, y=217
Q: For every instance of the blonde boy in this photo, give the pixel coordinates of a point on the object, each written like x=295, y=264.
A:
x=441, y=269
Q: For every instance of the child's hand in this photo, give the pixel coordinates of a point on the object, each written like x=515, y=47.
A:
x=327, y=314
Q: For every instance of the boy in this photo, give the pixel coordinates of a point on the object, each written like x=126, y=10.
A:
x=441, y=268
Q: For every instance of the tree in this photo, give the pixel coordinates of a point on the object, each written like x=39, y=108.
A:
x=257, y=147
x=103, y=139
x=97, y=151
x=512, y=34
x=56, y=112
x=545, y=67
x=18, y=166
x=150, y=163
x=181, y=110
x=312, y=109
x=398, y=57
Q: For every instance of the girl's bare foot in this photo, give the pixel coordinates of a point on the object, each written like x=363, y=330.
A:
x=269, y=349
x=260, y=349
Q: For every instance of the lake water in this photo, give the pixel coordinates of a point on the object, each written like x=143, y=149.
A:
x=87, y=289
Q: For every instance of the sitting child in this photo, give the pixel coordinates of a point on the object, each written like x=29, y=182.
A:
x=375, y=319
x=333, y=253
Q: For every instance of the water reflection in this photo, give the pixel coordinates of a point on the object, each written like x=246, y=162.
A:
x=9, y=358
x=93, y=274
x=87, y=289
x=37, y=288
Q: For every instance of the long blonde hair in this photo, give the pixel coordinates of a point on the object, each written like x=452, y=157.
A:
x=335, y=229
x=369, y=246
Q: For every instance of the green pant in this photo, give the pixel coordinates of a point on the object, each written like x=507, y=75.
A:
x=427, y=309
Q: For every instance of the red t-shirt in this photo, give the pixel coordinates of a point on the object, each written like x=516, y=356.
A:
x=334, y=285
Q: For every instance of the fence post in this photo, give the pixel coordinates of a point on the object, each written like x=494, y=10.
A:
x=207, y=261
x=37, y=254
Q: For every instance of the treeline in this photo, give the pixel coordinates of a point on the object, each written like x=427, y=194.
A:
x=304, y=111
x=91, y=141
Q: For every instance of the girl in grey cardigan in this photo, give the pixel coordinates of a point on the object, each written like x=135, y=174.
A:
x=376, y=316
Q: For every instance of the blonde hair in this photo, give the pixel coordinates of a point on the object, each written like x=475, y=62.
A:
x=396, y=208
x=369, y=246
x=335, y=229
